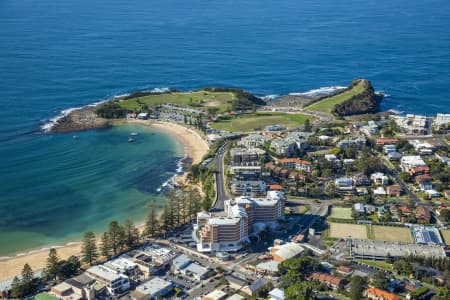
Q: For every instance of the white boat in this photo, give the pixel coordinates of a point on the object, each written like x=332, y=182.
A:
x=134, y=134
x=130, y=140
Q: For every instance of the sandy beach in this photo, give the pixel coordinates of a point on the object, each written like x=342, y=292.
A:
x=195, y=147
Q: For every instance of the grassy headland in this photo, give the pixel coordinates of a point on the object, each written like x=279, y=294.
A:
x=257, y=121
x=358, y=98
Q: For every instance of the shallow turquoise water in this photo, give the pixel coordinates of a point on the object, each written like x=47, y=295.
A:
x=59, y=187
x=60, y=54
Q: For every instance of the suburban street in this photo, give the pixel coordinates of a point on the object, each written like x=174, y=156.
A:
x=220, y=180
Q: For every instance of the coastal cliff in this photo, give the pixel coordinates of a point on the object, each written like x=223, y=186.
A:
x=366, y=101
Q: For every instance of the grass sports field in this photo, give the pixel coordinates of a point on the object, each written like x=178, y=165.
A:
x=341, y=213
x=339, y=230
x=254, y=122
x=392, y=234
x=326, y=105
x=221, y=100
x=446, y=235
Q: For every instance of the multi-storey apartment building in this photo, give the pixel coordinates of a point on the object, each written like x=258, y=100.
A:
x=229, y=230
x=243, y=156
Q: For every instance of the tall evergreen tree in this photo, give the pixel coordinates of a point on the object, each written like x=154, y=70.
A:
x=105, y=247
x=131, y=234
x=151, y=224
x=52, y=266
x=89, y=251
x=115, y=236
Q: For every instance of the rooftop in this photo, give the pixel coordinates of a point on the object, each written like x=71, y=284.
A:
x=153, y=286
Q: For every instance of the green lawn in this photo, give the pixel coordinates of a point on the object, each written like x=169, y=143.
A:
x=44, y=296
x=254, y=122
x=221, y=100
x=327, y=105
x=377, y=264
x=341, y=213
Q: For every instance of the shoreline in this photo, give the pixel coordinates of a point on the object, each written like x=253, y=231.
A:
x=194, y=148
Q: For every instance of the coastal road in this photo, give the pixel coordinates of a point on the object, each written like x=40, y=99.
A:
x=220, y=178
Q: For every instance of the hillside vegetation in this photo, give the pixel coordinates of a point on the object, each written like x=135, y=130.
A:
x=254, y=122
x=358, y=98
x=220, y=99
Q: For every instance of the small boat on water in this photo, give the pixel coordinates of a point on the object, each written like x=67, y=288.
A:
x=134, y=134
x=76, y=137
x=130, y=140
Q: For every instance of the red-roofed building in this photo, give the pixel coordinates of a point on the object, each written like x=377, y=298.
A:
x=346, y=271
x=393, y=190
x=379, y=294
x=331, y=281
x=419, y=171
x=405, y=210
x=276, y=187
x=383, y=142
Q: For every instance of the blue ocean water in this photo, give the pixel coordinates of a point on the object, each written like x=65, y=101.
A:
x=60, y=54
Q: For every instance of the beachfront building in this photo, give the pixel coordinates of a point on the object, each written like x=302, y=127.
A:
x=114, y=283
x=229, y=230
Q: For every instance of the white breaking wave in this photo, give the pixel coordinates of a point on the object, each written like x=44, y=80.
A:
x=270, y=97
x=323, y=91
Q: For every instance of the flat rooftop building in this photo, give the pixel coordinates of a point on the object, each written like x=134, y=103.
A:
x=152, y=289
x=379, y=250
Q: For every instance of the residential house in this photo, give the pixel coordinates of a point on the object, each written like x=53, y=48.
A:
x=424, y=182
x=379, y=192
x=383, y=141
x=389, y=148
x=411, y=161
x=394, y=156
x=379, y=294
x=379, y=178
x=361, y=179
x=344, y=270
x=344, y=186
x=416, y=171
x=331, y=281
x=393, y=190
